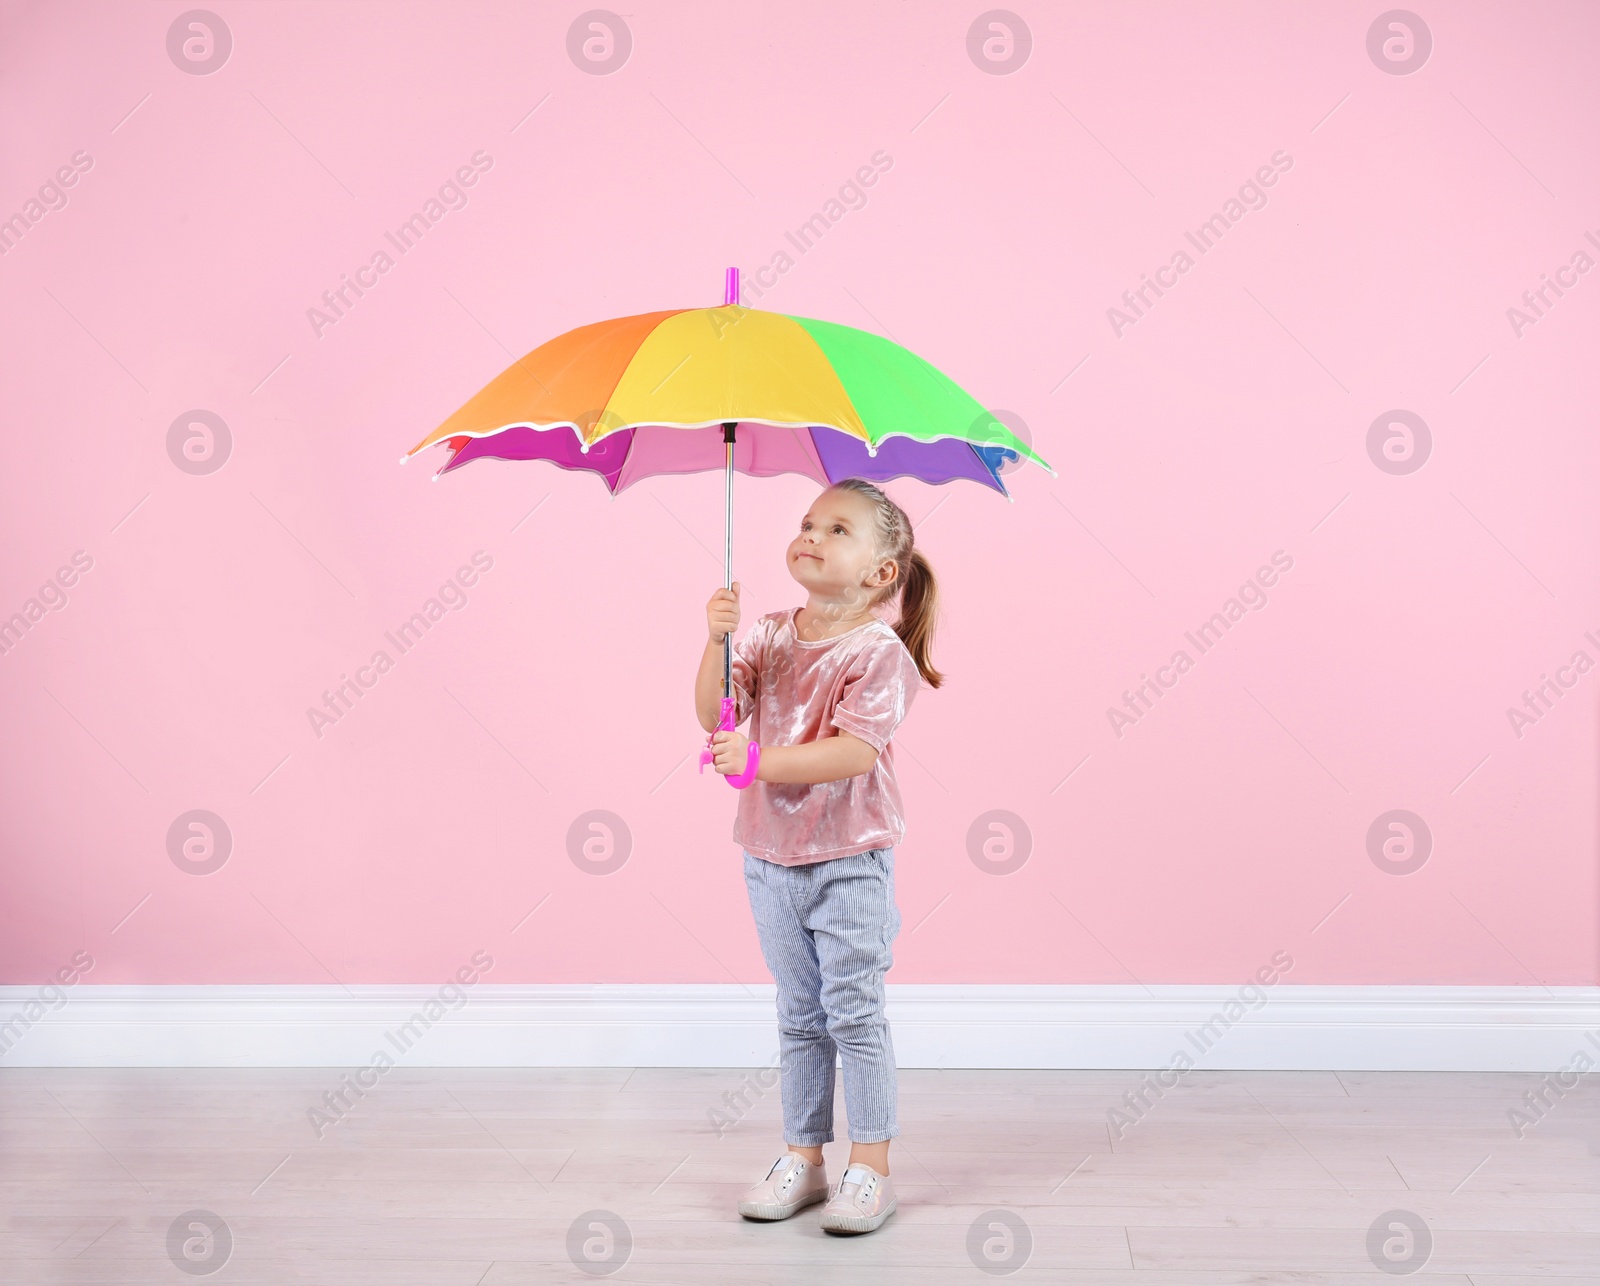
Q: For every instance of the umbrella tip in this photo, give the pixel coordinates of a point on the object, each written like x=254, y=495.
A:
x=404, y=458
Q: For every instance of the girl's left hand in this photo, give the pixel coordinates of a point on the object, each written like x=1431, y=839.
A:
x=729, y=750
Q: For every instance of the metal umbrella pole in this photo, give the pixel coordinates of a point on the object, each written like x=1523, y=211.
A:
x=729, y=701
x=727, y=559
x=730, y=299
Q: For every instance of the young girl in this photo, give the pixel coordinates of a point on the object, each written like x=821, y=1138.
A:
x=827, y=684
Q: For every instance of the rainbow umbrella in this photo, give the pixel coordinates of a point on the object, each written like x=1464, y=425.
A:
x=668, y=392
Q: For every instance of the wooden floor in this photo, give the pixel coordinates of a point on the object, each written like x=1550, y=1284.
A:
x=457, y=1178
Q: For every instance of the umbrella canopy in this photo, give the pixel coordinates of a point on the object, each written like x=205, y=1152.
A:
x=634, y=397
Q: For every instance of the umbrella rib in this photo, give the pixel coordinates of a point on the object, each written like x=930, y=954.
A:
x=670, y=374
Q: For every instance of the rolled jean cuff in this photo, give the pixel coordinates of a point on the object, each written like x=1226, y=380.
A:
x=875, y=1136
x=811, y=1140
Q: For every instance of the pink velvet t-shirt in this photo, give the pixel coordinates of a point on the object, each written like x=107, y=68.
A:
x=860, y=682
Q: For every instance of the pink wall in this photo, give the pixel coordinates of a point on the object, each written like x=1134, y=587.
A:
x=1230, y=421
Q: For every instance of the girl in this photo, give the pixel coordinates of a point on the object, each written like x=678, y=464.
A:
x=827, y=684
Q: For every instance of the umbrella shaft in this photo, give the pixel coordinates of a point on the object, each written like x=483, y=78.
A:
x=727, y=559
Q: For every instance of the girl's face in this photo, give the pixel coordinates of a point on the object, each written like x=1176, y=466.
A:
x=833, y=556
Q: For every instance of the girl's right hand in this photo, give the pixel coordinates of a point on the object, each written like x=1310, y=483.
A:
x=722, y=613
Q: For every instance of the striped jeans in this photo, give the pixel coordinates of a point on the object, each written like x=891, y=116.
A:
x=826, y=930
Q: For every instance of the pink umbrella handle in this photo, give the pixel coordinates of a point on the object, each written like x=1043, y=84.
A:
x=752, y=761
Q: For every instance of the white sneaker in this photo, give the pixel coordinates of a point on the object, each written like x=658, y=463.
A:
x=791, y=1185
x=864, y=1200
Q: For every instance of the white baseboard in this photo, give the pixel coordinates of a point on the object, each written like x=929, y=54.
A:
x=1339, y=1028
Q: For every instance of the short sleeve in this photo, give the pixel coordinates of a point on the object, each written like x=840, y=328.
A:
x=879, y=686
x=747, y=664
